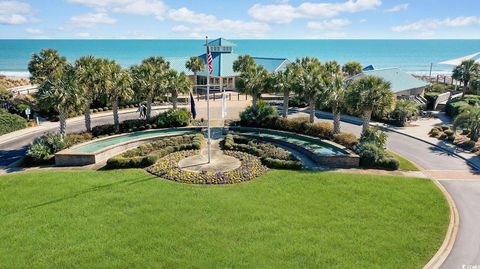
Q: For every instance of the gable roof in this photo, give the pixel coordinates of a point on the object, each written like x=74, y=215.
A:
x=399, y=79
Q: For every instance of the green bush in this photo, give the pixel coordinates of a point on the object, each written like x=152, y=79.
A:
x=435, y=132
x=282, y=164
x=43, y=148
x=346, y=139
x=148, y=154
x=174, y=118
x=105, y=129
x=374, y=136
x=454, y=108
x=297, y=102
x=257, y=116
x=373, y=156
x=449, y=132
x=11, y=122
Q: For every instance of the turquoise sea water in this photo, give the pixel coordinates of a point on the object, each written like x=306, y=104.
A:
x=410, y=55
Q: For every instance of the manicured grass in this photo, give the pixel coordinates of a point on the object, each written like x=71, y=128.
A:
x=405, y=164
x=284, y=219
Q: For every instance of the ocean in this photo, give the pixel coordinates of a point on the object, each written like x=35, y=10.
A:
x=413, y=56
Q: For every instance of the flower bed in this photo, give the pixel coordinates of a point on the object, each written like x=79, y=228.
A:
x=167, y=167
x=148, y=154
x=270, y=155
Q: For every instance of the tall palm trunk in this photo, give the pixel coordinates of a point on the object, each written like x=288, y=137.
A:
x=116, y=120
x=195, y=85
x=149, y=106
x=312, y=110
x=286, y=95
x=88, y=119
x=367, y=116
x=254, y=101
x=63, y=123
x=174, y=100
x=336, y=120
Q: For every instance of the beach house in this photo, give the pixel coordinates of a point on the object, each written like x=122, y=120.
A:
x=403, y=84
x=223, y=55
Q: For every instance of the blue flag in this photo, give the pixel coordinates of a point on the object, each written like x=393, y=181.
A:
x=192, y=106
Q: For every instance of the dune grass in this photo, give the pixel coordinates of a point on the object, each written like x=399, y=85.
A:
x=284, y=219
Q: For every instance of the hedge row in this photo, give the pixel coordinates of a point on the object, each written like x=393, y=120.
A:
x=270, y=155
x=148, y=154
x=10, y=122
x=171, y=118
x=322, y=130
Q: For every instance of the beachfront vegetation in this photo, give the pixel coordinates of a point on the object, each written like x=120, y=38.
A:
x=46, y=66
x=253, y=78
x=352, y=68
x=10, y=122
x=177, y=83
x=367, y=95
x=281, y=81
x=140, y=220
x=469, y=118
x=404, y=110
x=466, y=72
x=195, y=64
x=336, y=92
x=371, y=150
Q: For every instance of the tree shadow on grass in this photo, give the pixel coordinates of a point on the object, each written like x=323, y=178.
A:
x=128, y=182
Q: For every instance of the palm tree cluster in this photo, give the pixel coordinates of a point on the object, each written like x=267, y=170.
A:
x=318, y=83
x=468, y=72
x=66, y=88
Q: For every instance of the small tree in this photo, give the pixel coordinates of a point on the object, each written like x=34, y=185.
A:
x=45, y=66
x=469, y=118
x=253, y=79
x=465, y=72
x=195, y=64
x=63, y=95
x=336, y=96
x=281, y=82
x=352, y=68
x=403, y=110
x=87, y=72
x=368, y=94
x=310, y=82
x=178, y=83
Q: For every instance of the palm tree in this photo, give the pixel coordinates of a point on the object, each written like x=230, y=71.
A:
x=118, y=86
x=253, y=79
x=195, y=64
x=63, y=94
x=352, y=68
x=280, y=82
x=469, y=118
x=310, y=82
x=46, y=65
x=465, y=72
x=87, y=70
x=368, y=94
x=178, y=83
x=405, y=109
x=336, y=92
x=151, y=79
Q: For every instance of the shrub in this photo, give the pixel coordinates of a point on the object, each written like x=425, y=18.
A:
x=375, y=137
x=10, y=122
x=297, y=102
x=282, y=164
x=454, y=108
x=346, y=139
x=467, y=145
x=445, y=127
x=443, y=136
x=435, y=132
x=174, y=118
x=103, y=130
x=257, y=116
x=451, y=138
x=373, y=156
x=100, y=110
x=449, y=132
x=43, y=148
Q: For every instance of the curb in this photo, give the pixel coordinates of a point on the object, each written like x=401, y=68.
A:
x=441, y=255
x=353, y=121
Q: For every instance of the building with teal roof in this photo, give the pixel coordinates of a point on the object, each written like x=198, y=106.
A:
x=402, y=83
x=223, y=76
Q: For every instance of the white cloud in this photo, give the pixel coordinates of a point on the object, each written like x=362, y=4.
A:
x=101, y=4
x=90, y=19
x=14, y=12
x=33, y=31
x=143, y=8
x=200, y=23
x=335, y=35
x=285, y=13
x=398, y=8
x=82, y=35
x=430, y=24
x=328, y=24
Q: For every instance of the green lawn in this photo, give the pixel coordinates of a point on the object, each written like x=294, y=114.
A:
x=284, y=219
x=405, y=164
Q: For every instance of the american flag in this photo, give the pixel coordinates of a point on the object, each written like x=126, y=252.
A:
x=209, y=61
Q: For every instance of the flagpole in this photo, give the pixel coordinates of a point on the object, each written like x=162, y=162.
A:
x=208, y=104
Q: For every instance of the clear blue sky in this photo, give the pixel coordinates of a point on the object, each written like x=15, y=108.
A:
x=168, y=19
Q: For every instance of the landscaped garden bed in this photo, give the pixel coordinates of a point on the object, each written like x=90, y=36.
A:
x=167, y=167
x=283, y=219
x=271, y=155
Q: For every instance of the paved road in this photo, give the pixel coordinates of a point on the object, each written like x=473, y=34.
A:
x=13, y=150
